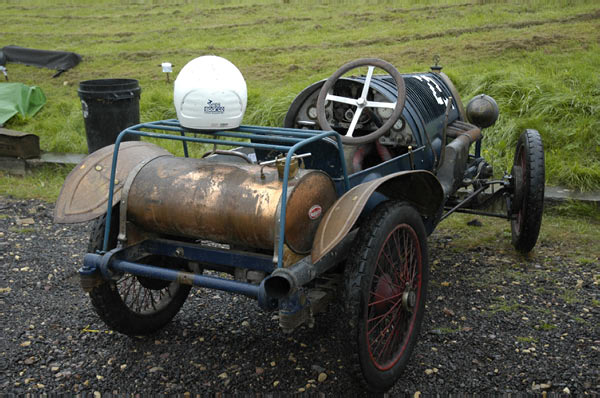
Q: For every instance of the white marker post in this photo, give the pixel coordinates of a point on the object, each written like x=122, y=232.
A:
x=167, y=68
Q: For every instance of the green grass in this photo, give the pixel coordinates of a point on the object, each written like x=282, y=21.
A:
x=538, y=59
x=577, y=209
x=527, y=339
x=576, y=233
x=43, y=183
x=506, y=307
x=547, y=326
x=23, y=230
x=570, y=297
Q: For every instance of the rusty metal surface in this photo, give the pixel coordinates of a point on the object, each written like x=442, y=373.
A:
x=225, y=203
x=84, y=194
x=315, y=191
x=15, y=144
x=289, y=256
x=458, y=128
x=420, y=188
x=124, y=225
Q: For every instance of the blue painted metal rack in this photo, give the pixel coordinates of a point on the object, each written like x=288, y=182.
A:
x=284, y=140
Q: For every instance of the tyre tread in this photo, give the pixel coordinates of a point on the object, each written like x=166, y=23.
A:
x=525, y=240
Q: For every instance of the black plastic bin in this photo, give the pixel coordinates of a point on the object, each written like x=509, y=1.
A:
x=109, y=106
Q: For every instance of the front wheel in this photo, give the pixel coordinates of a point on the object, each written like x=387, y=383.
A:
x=133, y=305
x=528, y=199
x=386, y=283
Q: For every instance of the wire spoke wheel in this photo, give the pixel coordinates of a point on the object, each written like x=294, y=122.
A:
x=385, y=288
x=142, y=299
x=134, y=305
x=395, y=292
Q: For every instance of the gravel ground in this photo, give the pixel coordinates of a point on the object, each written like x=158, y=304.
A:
x=494, y=323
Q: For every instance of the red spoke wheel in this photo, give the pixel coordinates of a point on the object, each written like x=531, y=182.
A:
x=528, y=197
x=386, y=282
x=133, y=305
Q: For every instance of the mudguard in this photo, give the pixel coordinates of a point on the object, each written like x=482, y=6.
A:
x=84, y=194
x=418, y=187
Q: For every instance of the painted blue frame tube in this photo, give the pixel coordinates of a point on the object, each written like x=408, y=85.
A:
x=194, y=252
x=173, y=125
x=286, y=172
x=297, y=137
x=133, y=131
x=166, y=274
x=185, y=147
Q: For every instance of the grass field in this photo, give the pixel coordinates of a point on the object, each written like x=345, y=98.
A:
x=538, y=59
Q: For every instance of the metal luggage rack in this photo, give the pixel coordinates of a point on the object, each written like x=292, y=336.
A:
x=284, y=140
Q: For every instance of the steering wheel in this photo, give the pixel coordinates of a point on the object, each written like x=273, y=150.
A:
x=361, y=103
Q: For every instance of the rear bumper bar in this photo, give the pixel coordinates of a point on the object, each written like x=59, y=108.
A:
x=98, y=267
x=93, y=262
x=278, y=284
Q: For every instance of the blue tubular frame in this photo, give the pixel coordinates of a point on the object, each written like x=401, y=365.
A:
x=210, y=282
x=285, y=140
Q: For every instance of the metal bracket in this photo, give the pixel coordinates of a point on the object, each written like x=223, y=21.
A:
x=122, y=237
x=276, y=160
x=411, y=157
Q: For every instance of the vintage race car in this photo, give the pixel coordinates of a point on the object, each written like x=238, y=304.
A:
x=338, y=203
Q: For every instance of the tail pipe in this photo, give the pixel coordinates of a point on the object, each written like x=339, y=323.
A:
x=284, y=281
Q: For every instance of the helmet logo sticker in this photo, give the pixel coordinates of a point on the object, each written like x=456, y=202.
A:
x=214, y=107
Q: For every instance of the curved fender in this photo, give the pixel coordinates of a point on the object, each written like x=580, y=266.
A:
x=419, y=187
x=84, y=194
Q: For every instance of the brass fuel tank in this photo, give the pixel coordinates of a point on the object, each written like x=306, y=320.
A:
x=227, y=202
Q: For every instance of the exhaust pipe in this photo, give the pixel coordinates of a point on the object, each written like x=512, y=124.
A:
x=456, y=156
x=284, y=281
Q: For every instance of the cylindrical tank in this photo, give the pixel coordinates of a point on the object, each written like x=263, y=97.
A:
x=227, y=203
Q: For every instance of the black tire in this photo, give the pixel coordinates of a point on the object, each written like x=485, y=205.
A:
x=373, y=270
x=133, y=305
x=528, y=200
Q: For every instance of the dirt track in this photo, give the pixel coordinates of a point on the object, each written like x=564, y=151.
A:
x=493, y=324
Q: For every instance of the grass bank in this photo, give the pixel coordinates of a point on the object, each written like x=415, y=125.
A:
x=538, y=59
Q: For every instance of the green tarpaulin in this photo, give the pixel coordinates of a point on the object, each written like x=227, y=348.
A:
x=19, y=98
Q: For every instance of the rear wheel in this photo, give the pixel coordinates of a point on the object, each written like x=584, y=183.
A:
x=133, y=305
x=386, y=282
x=528, y=199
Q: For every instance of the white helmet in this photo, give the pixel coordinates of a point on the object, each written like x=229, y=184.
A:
x=210, y=94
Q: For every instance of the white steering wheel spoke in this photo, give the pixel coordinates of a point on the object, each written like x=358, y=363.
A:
x=354, y=122
x=365, y=89
x=375, y=104
x=344, y=100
